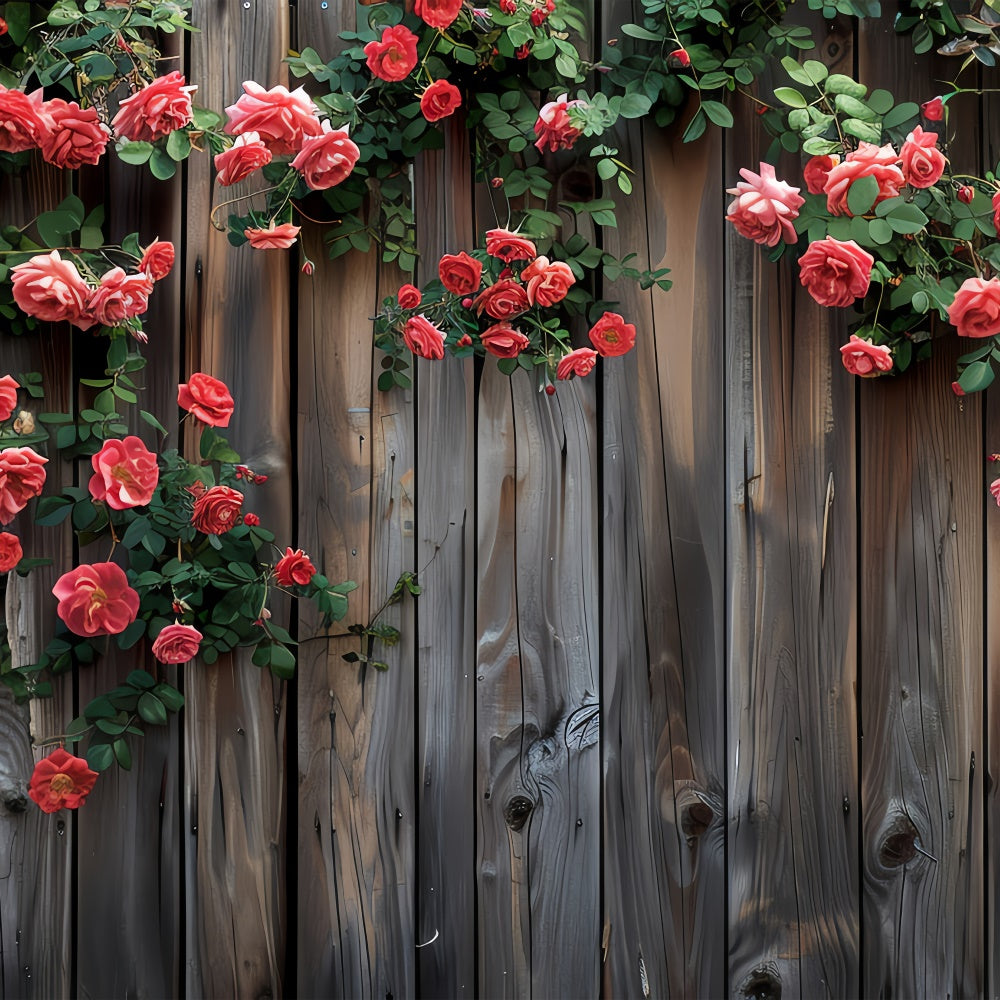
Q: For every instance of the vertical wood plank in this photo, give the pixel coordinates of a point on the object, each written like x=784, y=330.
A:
x=445, y=556
x=237, y=329
x=921, y=645
x=792, y=567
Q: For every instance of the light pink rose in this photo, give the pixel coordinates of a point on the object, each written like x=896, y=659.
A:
x=764, y=207
x=161, y=107
x=862, y=357
x=975, y=310
x=243, y=157
x=125, y=473
x=327, y=159
x=51, y=289
x=835, y=273
x=868, y=160
x=281, y=118
x=923, y=163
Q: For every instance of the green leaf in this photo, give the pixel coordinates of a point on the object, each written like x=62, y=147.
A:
x=790, y=97
x=170, y=696
x=99, y=756
x=151, y=709
x=135, y=153
x=161, y=166
x=122, y=754
x=718, y=113
x=900, y=114
x=695, y=127
x=861, y=195
x=141, y=679
x=282, y=662
x=976, y=377
x=178, y=145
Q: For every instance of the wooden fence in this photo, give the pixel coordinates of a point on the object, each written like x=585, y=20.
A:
x=695, y=701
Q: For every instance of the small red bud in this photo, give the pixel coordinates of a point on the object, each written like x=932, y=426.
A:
x=679, y=57
x=550, y=389
x=496, y=182
x=933, y=110
x=251, y=519
x=308, y=267
x=957, y=389
x=466, y=303
x=465, y=340
x=3, y=26
x=537, y=17
x=966, y=193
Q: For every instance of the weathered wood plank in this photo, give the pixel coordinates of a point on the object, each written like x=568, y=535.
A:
x=445, y=536
x=921, y=647
x=792, y=568
x=236, y=312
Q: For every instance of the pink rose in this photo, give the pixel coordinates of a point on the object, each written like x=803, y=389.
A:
x=8, y=396
x=161, y=107
x=51, y=289
x=975, y=310
x=394, y=55
x=554, y=127
x=994, y=487
x=274, y=238
x=439, y=100
x=242, y=158
x=207, y=399
x=835, y=273
x=862, y=357
x=71, y=136
x=547, y=283
x=612, y=336
x=96, y=599
x=119, y=297
x=503, y=300
x=217, y=510
x=503, y=341
x=868, y=160
x=437, y=13
x=579, y=362
x=294, y=568
x=327, y=159
x=423, y=338
x=125, y=474
x=281, y=118
x=508, y=246
x=22, y=476
x=177, y=643
x=816, y=171
x=459, y=273
x=11, y=552
x=923, y=163
x=20, y=120
x=764, y=207
x=996, y=212
x=157, y=259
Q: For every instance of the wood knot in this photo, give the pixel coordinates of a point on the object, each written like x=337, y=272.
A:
x=763, y=983
x=14, y=800
x=899, y=846
x=696, y=817
x=517, y=811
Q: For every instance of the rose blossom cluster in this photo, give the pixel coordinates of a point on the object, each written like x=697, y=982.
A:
x=279, y=122
x=51, y=288
x=526, y=281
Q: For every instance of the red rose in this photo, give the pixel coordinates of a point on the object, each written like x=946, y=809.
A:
x=125, y=474
x=71, y=135
x=20, y=120
x=975, y=310
x=22, y=476
x=995, y=485
x=207, y=399
x=423, y=338
x=579, y=362
x=923, y=163
x=816, y=171
x=437, y=13
x=96, y=599
x=835, y=273
x=327, y=159
x=547, y=283
x=119, y=297
x=612, y=336
x=51, y=289
x=933, y=110
x=217, y=510
x=242, y=158
x=61, y=781
x=554, y=127
x=274, y=238
x=862, y=357
x=996, y=212
x=764, y=207
x=439, y=100
x=868, y=160
x=10, y=551
x=966, y=193
x=508, y=246
x=294, y=568
x=177, y=643
x=503, y=341
x=251, y=520
x=460, y=273
x=504, y=300
x=281, y=119
x=161, y=107
x=157, y=259
x=409, y=297
x=394, y=55
x=8, y=396
x=679, y=58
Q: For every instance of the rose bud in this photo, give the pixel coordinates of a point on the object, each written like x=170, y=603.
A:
x=679, y=58
x=966, y=193
x=933, y=110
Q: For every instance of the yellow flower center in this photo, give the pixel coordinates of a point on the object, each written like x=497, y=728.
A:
x=61, y=783
x=123, y=474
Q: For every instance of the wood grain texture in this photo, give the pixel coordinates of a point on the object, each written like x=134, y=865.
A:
x=921, y=646
x=237, y=329
x=445, y=535
x=537, y=760
x=792, y=567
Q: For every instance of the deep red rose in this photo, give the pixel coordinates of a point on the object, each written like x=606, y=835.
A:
x=217, y=510
x=294, y=568
x=423, y=338
x=157, y=259
x=61, y=781
x=161, y=107
x=125, y=473
x=11, y=552
x=409, y=297
x=439, y=100
x=71, y=136
x=394, y=55
x=933, y=110
x=251, y=520
x=177, y=643
x=612, y=336
x=503, y=341
x=437, y=13
x=503, y=300
x=22, y=476
x=579, y=362
x=326, y=159
x=460, y=273
x=8, y=396
x=243, y=157
x=96, y=599
x=207, y=399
